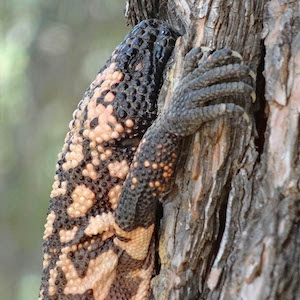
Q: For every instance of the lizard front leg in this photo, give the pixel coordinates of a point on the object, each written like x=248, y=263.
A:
x=208, y=89
x=204, y=94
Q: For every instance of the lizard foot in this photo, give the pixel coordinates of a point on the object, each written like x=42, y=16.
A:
x=219, y=84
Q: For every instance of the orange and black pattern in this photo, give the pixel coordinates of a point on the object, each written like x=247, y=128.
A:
x=86, y=254
x=119, y=158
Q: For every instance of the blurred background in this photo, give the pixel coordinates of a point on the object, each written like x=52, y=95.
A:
x=50, y=51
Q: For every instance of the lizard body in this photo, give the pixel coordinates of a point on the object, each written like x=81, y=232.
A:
x=113, y=169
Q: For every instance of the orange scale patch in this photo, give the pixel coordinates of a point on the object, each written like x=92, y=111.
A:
x=56, y=190
x=106, y=84
x=73, y=157
x=104, y=131
x=77, y=124
x=46, y=260
x=166, y=175
x=101, y=223
x=117, y=75
x=92, y=112
x=118, y=169
x=51, y=281
x=75, y=116
x=105, y=153
x=97, y=93
x=95, y=157
x=145, y=275
x=115, y=135
x=100, y=274
x=90, y=171
x=154, y=166
x=83, y=199
x=119, y=128
x=109, y=97
x=76, y=140
x=114, y=195
x=100, y=108
x=49, y=225
x=129, y=123
x=96, y=161
x=112, y=120
x=139, y=241
x=103, y=75
x=67, y=235
x=95, y=110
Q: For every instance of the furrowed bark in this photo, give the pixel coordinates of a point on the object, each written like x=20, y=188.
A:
x=231, y=230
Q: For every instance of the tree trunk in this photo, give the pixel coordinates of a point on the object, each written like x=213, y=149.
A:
x=231, y=229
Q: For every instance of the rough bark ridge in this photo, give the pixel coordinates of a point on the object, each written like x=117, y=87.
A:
x=232, y=229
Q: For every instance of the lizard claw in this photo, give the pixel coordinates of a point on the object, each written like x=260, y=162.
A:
x=219, y=85
x=236, y=54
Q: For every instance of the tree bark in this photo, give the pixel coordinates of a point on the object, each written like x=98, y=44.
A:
x=231, y=230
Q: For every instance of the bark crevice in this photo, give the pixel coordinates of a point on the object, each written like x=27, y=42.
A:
x=232, y=231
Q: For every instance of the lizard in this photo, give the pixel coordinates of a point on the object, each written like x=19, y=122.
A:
x=119, y=158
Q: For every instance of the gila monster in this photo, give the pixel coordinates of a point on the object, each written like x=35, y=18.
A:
x=119, y=158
